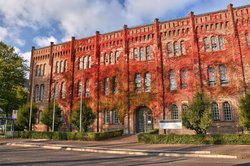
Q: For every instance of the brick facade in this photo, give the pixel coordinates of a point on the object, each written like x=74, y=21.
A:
x=158, y=66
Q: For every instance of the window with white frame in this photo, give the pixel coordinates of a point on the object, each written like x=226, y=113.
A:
x=85, y=61
x=57, y=67
x=65, y=66
x=136, y=54
x=40, y=70
x=247, y=37
x=142, y=54
x=227, y=111
x=215, y=111
x=61, y=66
x=183, y=50
x=106, y=59
x=114, y=85
x=176, y=48
x=56, y=91
x=137, y=82
x=174, y=110
x=90, y=62
x=223, y=75
x=44, y=69
x=214, y=43
x=42, y=92
x=172, y=80
x=116, y=56
x=221, y=42
x=111, y=58
x=79, y=89
x=36, y=93
x=206, y=44
x=169, y=48
x=147, y=82
x=115, y=116
x=211, y=76
x=184, y=78
x=106, y=117
x=148, y=52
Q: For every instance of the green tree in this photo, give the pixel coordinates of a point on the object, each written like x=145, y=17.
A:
x=198, y=116
x=88, y=117
x=47, y=117
x=23, y=115
x=12, y=78
x=245, y=111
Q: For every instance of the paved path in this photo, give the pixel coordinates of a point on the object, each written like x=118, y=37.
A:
x=129, y=143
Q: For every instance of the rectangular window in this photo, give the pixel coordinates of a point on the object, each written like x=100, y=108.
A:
x=206, y=44
x=211, y=76
x=136, y=54
x=214, y=43
x=176, y=48
x=106, y=86
x=223, y=75
x=106, y=117
x=115, y=116
x=142, y=54
x=221, y=43
x=116, y=56
x=148, y=52
x=169, y=48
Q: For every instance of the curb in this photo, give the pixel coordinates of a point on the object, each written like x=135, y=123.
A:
x=194, y=154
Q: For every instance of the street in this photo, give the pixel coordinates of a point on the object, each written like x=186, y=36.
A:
x=10, y=155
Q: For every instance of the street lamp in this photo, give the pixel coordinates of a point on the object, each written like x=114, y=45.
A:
x=31, y=96
x=54, y=107
x=81, y=107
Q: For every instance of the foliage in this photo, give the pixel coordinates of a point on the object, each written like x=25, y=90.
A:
x=12, y=78
x=88, y=136
x=194, y=139
x=23, y=115
x=47, y=117
x=88, y=117
x=245, y=111
x=198, y=116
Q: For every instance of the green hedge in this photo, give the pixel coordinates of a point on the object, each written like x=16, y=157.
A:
x=194, y=139
x=89, y=136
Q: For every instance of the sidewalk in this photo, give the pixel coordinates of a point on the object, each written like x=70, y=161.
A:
x=129, y=145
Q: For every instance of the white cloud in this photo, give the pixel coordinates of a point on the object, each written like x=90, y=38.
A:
x=26, y=55
x=3, y=33
x=42, y=41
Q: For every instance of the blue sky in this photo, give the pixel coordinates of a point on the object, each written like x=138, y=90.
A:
x=27, y=23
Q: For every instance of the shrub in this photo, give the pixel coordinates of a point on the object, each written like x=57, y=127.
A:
x=194, y=139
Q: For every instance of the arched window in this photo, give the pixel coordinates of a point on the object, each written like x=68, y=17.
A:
x=116, y=56
x=172, y=80
x=169, y=48
x=63, y=90
x=176, y=48
x=40, y=70
x=65, y=66
x=37, y=70
x=106, y=116
x=57, y=67
x=36, y=93
x=80, y=63
x=90, y=62
x=227, y=111
x=184, y=108
x=148, y=52
x=42, y=92
x=183, y=51
x=215, y=111
x=137, y=82
x=147, y=82
x=142, y=54
x=106, y=86
x=214, y=43
x=61, y=66
x=87, y=88
x=211, y=76
x=56, y=91
x=114, y=116
x=174, y=110
x=223, y=75
x=114, y=85
x=221, y=43
x=206, y=44
x=106, y=59
x=79, y=88
x=111, y=58
x=183, y=78
x=44, y=69
x=136, y=54
x=85, y=62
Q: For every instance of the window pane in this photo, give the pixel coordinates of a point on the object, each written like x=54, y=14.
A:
x=183, y=51
x=211, y=76
x=184, y=108
x=106, y=59
x=176, y=48
x=106, y=86
x=87, y=88
x=183, y=78
x=111, y=58
x=56, y=90
x=116, y=56
x=114, y=82
x=169, y=48
x=214, y=43
x=206, y=44
x=106, y=117
x=215, y=111
x=142, y=54
x=85, y=62
x=137, y=82
x=115, y=116
x=174, y=112
x=147, y=82
x=42, y=91
x=227, y=111
x=172, y=80
x=221, y=43
x=223, y=75
x=148, y=49
x=63, y=90
x=79, y=88
x=136, y=54
x=90, y=62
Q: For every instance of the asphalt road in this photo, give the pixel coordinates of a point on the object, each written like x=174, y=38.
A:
x=36, y=156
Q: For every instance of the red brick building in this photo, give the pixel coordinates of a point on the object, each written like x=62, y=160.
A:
x=134, y=77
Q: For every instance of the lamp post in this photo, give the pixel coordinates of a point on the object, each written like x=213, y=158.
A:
x=54, y=108
x=31, y=98
x=81, y=107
